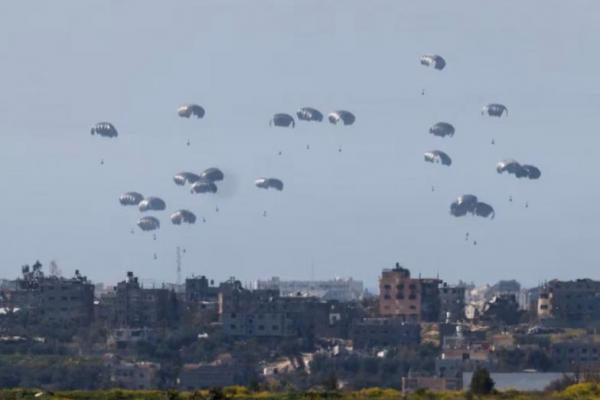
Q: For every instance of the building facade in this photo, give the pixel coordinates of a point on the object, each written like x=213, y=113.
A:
x=383, y=332
x=136, y=306
x=570, y=302
x=410, y=299
x=51, y=300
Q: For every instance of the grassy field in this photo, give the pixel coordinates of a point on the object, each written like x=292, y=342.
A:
x=575, y=392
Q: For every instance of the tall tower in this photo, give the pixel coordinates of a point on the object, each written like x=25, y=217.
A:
x=178, y=263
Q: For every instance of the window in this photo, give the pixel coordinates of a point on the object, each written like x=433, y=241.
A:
x=275, y=327
x=400, y=296
x=412, y=296
x=387, y=287
x=400, y=286
x=233, y=315
x=261, y=327
x=232, y=326
x=386, y=296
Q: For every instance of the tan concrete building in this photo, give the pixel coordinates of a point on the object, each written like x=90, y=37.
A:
x=410, y=299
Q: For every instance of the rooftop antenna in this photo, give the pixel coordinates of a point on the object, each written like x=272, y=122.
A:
x=178, y=263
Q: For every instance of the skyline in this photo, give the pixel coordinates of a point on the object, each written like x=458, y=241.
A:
x=68, y=66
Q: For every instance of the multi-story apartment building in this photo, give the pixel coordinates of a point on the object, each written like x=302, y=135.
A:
x=51, y=299
x=410, y=299
x=136, y=306
x=570, y=302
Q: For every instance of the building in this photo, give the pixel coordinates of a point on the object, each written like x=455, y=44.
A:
x=502, y=310
x=141, y=375
x=452, y=303
x=51, y=300
x=576, y=356
x=410, y=299
x=199, y=289
x=207, y=375
x=121, y=338
x=136, y=306
x=383, y=332
x=570, y=302
x=264, y=313
x=334, y=289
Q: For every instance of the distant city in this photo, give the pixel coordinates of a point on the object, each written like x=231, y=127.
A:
x=415, y=333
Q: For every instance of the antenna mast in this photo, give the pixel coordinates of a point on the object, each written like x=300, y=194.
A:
x=178, y=263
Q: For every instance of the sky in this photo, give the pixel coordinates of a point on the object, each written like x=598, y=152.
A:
x=65, y=65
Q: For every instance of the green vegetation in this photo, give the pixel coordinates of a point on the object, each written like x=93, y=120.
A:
x=583, y=391
x=482, y=383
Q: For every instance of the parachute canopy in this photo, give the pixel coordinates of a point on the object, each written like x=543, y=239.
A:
x=152, y=204
x=433, y=60
x=442, y=129
x=185, y=177
x=148, y=223
x=284, y=120
x=213, y=174
x=345, y=116
x=187, y=110
x=204, y=186
x=494, y=110
x=269, y=183
x=104, y=129
x=309, y=114
x=183, y=216
x=520, y=171
x=130, y=198
x=438, y=156
x=470, y=204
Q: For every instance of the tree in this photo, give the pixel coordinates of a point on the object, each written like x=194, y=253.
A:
x=482, y=383
x=331, y=382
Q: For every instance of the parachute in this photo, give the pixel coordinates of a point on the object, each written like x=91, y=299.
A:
x=442, y=129
x=532, y=172
x=268, y=183
x=104, y=129
x=204, y=186
x=484, y=210
x=152, y=204
x=212, y=174
x=283, y=120
x=183, y=216
x=185, y=177
x=433, y=60
x=187, y=110
x=470, y=204
x=345, y=116
x=130, y=198
x=439, y=157
x=309, y=114
x=494, y=110
x=520, y=171
x=148, y=223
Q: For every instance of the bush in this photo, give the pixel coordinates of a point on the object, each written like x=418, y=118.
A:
x=482, y=383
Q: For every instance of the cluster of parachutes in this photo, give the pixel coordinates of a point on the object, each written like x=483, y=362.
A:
x=144, y=204
x=203, y=183
x=468, y=203
x=311, y=114
x=518, y=170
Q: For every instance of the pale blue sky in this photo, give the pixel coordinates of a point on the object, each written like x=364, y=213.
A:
x=65, y=65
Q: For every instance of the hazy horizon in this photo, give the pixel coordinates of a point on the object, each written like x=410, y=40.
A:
x=69, y=64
